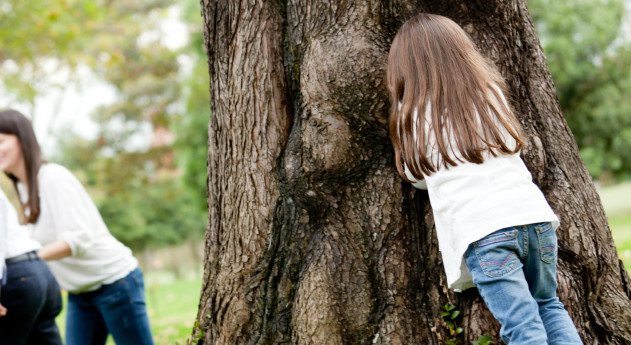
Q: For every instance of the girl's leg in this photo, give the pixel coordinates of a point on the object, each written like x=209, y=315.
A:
x=21, y=296
x=494, y=262
x=45, y=331
x=84, y=324
x=540, y=271
x=122, y=305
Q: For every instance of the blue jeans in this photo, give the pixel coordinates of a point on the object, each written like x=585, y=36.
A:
x=117, y=308
x=514, y=270
x=33, y=300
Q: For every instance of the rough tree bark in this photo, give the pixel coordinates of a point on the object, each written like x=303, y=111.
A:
x=313, y=238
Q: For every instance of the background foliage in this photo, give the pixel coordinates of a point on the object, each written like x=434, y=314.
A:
x=146, y=167
x=588, y=51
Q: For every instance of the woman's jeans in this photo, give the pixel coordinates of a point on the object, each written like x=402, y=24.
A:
x=117, y=308
x=33, y=300
x=514, y=270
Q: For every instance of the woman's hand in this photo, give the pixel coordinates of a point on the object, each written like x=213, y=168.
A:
x=55, y=250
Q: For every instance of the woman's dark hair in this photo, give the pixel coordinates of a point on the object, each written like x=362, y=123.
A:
x=15, y=123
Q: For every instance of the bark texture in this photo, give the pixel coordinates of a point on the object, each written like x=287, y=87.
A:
x=313, y=238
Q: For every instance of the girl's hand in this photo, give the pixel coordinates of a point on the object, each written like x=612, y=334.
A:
x=3, y=310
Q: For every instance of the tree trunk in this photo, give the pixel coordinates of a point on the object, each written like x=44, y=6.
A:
x=313, y=237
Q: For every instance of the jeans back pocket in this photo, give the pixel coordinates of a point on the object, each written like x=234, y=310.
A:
x=497, y=252
x=547, y=242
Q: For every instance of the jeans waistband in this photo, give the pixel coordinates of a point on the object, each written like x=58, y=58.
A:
x=32, y=255
x=103, y=287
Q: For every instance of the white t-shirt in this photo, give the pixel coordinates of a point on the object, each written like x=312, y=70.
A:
x=470, y=201
x=68, y=213
x=14, y=239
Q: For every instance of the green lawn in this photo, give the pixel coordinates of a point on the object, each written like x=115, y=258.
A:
x=621, y=231
x=617, y=205
x=173, y=309
x=171, y=304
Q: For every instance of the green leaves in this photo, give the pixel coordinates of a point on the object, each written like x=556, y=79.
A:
x=40, y=38
x=154, y=193
x=588, y=56
x=191, y=128
x=198, y=334
x=483, y=340
x=449, y=315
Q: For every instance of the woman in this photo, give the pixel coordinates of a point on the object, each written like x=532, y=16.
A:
x=30, y=298
x=105, y=286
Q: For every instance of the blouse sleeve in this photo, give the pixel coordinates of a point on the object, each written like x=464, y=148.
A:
x=68, y=206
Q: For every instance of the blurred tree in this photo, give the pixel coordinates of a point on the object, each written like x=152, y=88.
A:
x=191, y=140
x=141, y=207
x=160, y=216
x=130, y=168
x=588, y=58
x=53, y=37
x=40, y=37
x=166, y=182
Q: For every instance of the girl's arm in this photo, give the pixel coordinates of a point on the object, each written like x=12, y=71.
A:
x=55, y=250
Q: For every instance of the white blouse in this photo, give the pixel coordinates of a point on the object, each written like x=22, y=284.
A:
x=14, y=238
x=68, y=213
x=471, y=201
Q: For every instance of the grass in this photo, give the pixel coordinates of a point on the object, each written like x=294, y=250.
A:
x=171, y=305
x=172, y=310
x=617, y=204
x=621, y=232
x=616, y=199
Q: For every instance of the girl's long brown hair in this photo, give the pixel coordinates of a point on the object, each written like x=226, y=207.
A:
x=435, y=74
x=15, y=123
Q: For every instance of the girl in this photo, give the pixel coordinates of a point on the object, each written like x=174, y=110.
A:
x=455, y=135
x=105, y=287
x=30, y=300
